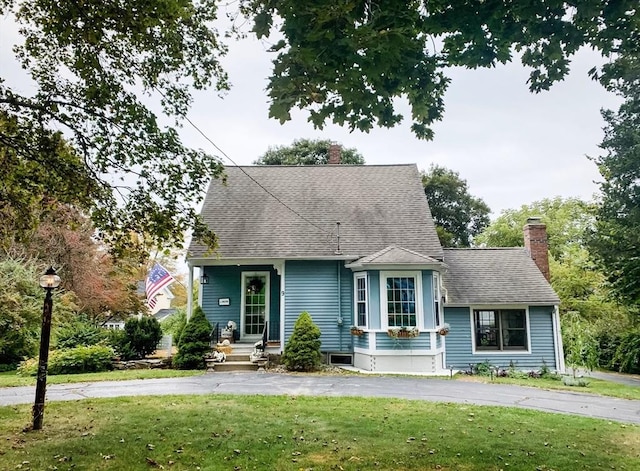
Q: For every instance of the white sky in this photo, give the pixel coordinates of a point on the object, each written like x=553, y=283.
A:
x=512, y=147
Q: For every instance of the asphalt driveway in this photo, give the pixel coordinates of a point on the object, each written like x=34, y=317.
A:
x=415, y=388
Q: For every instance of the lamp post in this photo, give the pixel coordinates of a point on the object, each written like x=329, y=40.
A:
x=49, y=281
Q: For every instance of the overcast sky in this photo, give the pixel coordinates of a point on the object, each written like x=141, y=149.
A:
x=512, y=147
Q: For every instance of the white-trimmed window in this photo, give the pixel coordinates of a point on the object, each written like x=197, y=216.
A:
x=401, y=299
x=501, y=329
x=360, y=296
x=437, y=299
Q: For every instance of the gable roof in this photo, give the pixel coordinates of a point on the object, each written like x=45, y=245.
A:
x=394, y=255
x=291, y=212
x=163, y=314
x=495, y=276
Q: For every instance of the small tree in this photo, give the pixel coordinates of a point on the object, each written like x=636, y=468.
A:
x=580, y=342
x=194, y=342
x=302, y=352
x=141, y=336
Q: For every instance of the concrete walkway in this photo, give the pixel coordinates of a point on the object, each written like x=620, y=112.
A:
x=565, y=402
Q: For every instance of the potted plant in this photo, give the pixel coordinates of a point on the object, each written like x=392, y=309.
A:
x=357, y=331
x=444, y=329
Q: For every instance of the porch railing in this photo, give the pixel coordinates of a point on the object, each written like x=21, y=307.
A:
x=265, y=335
x=214, y=337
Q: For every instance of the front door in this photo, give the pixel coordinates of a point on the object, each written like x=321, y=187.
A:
x=255, y=304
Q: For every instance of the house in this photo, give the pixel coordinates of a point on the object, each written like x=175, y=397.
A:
x=356, y=246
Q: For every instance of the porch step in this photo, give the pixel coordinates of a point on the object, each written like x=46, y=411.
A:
x=237, y=360
x=233, y=366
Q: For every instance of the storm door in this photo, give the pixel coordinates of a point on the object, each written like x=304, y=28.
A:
x=255, y=304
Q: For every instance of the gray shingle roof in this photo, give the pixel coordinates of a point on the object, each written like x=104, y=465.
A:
x=394, y=255
x=495, y=276
x=377, y=206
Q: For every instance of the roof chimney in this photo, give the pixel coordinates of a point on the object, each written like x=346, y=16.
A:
x=335, y=153
x=535, y=241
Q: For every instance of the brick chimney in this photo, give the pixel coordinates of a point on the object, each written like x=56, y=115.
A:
x=335, y=153
x=535, y=241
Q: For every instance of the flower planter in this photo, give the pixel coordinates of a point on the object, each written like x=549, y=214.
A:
x=357, y=332
x=403, y=333
x=444, y=330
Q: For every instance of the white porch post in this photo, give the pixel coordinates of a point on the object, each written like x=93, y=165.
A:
x=280, y=270
x=560, y=366
x=189, y=292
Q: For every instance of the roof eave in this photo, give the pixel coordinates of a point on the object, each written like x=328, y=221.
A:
x=395, y=266
x=503, y=303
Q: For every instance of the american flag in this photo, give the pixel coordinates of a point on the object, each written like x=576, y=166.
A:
x=158, y=278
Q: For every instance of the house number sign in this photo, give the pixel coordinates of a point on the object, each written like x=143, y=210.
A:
x=223, y=301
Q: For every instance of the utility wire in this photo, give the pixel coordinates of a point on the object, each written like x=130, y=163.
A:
x=308, y=221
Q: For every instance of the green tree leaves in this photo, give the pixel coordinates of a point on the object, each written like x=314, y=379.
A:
x=91, y=63
x=616, y=239
x=348, y=62
x=458, y=216
x=307, y=152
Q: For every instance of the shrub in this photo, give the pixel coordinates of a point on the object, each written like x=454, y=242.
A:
x=194, y=343
x=175, y=324
x=141, y=337
x=79, y=333
x=81, y=359
x=628, y=353
x=302, y=352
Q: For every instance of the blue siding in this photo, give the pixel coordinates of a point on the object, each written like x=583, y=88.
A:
x=312, y=286
x=459, y=343
x=225, y=282
x=361, y=341
x=384, y=342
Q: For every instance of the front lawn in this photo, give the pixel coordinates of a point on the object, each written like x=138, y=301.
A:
x=595, y=386
x=11, y=378
x=308, y=433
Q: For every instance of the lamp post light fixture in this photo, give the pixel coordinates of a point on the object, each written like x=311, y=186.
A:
x=49, y=281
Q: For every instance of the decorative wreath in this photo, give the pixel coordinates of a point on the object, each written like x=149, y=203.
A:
x=255, y=285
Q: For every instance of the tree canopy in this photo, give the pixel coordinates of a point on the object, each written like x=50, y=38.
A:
x=458, y=215
x=97, y=69
x=615, y=242
x=115, y=81
x=567, y=220
x=347, y=62
x=307, y=152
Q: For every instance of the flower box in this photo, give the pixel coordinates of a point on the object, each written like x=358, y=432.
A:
x=403, y=332
x=356, y=331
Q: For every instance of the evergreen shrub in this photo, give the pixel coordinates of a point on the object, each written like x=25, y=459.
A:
x=194, y=342
x=141, y=338
x=302, y=352
x=79, y=333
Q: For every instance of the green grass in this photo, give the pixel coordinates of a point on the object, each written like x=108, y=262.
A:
x=11, y=379
x=595, y=386
x=304, y=433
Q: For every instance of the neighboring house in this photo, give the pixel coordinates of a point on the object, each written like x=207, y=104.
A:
x=164, y=314
x=163, y=298
x=356, y=246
